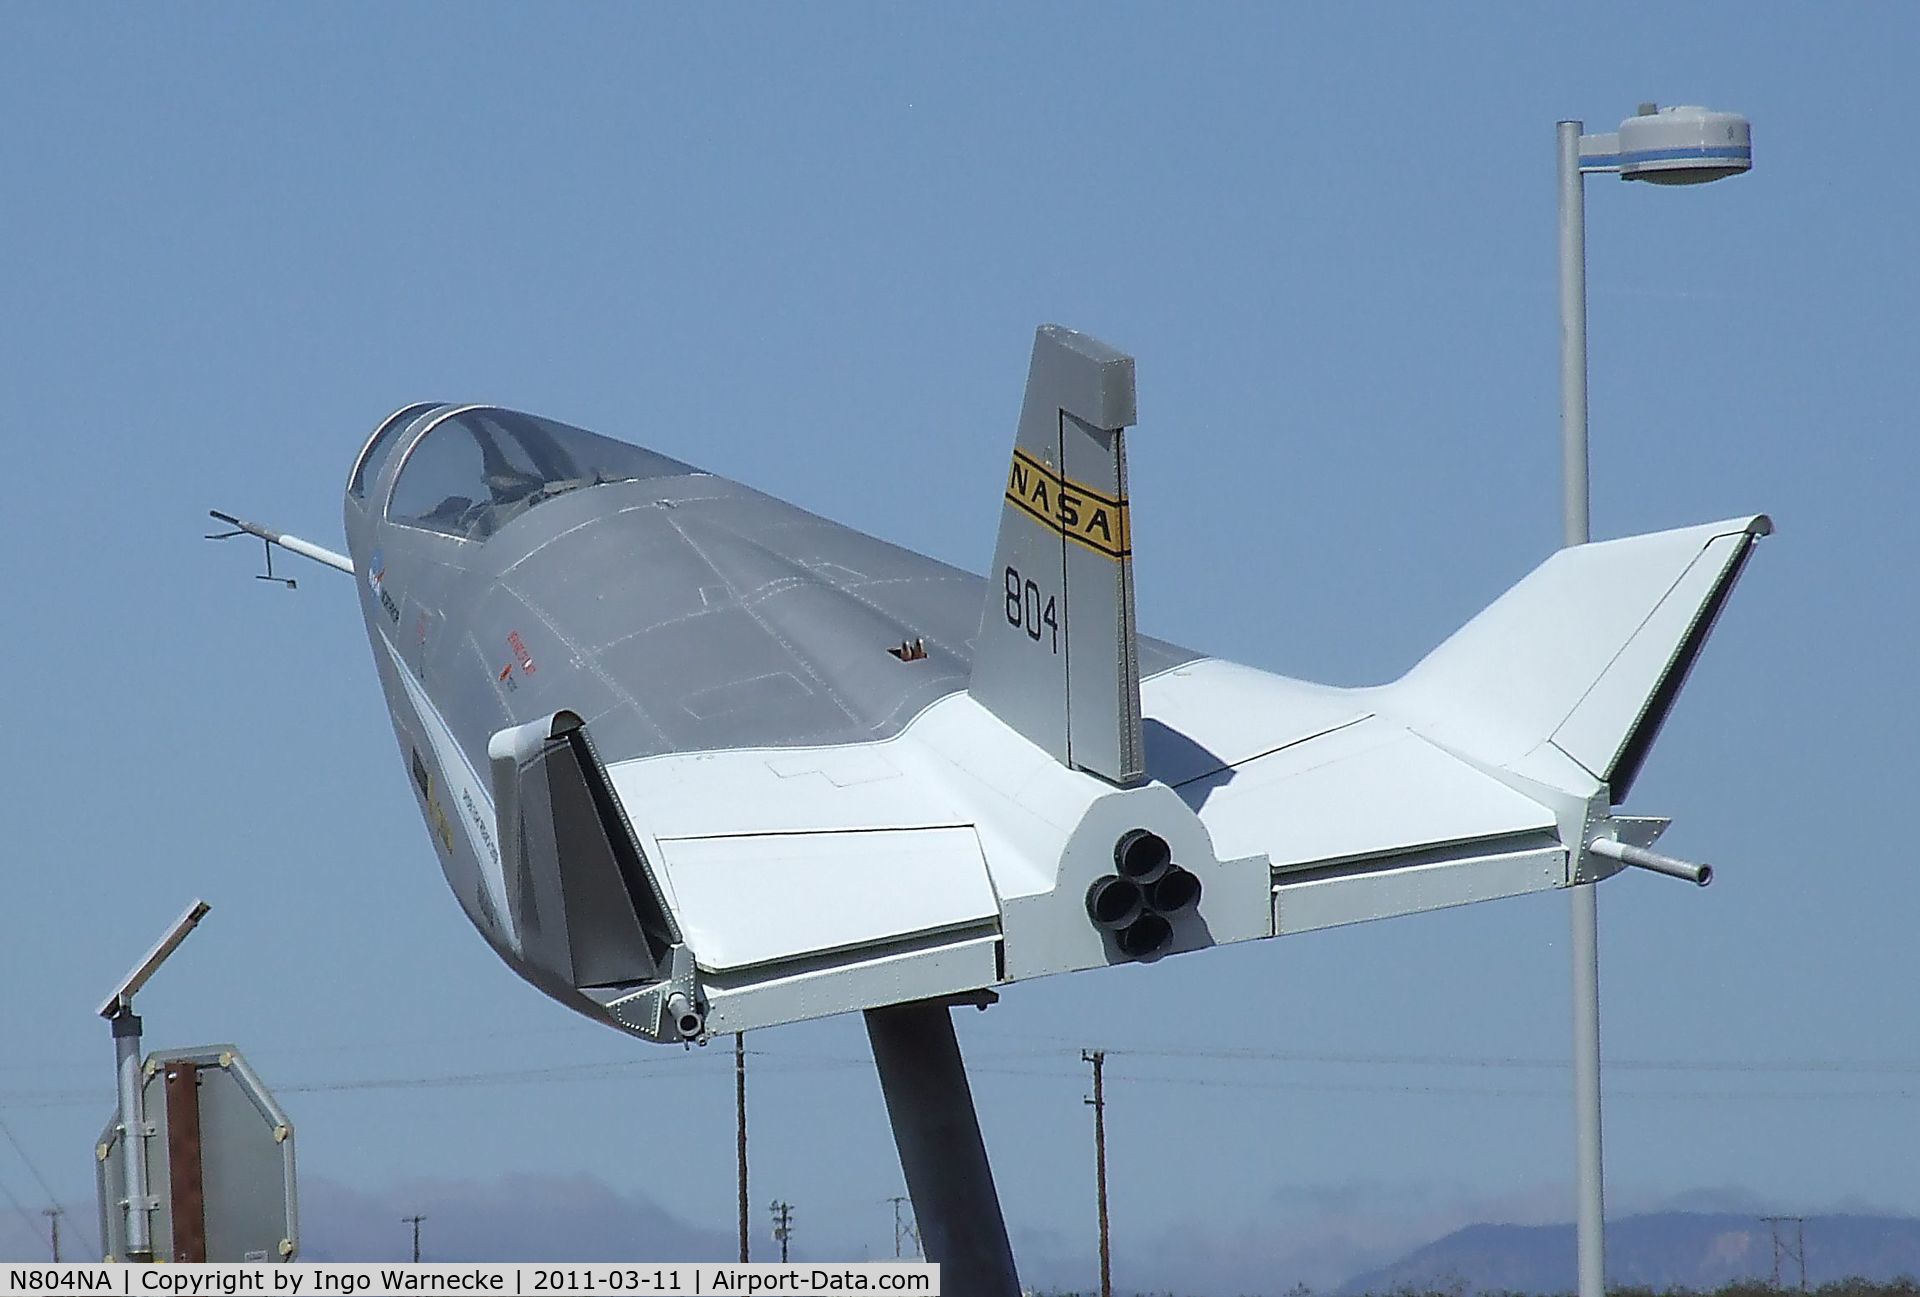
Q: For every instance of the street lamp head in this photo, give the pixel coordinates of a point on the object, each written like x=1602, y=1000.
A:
x=1684, y=145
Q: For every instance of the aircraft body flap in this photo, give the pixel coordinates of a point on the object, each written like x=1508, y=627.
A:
x=1368, y=790
x=753, y=899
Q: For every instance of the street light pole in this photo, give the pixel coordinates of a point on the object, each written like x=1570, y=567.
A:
x=1674, y=146
x=1589, y=1169
x=1573, y=339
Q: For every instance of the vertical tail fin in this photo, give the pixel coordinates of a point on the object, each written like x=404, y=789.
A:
x=1057, y=658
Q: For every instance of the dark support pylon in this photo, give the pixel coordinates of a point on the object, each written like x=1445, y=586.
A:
x=934, y=1127
x=740, y=1135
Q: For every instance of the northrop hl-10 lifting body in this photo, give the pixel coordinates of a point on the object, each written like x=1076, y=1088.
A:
x=695, y=760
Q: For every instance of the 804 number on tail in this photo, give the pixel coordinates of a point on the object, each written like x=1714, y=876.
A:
x=1033, y=610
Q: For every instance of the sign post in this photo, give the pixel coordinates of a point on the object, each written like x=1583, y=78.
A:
x=220, y=1165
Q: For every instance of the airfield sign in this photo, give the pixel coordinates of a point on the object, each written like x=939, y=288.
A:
x=219, y=1160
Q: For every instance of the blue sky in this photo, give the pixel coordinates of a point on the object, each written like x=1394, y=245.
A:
x=806, y=247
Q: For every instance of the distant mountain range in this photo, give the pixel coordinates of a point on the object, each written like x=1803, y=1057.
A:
x=1666, y=1250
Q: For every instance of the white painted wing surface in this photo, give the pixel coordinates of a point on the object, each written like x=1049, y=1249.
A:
x=957, y=854
x=1585, y=653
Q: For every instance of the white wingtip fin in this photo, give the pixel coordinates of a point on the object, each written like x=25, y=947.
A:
x=1587, y=652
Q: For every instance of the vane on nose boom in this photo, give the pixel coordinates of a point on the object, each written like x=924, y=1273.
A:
x=269, y=538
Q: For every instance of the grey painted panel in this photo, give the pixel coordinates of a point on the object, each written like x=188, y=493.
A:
x=585, y=580
x=1103, y=695
x=1021, y=649
x=534, y=890
x=719, y=680
x=241, y=1171
x=603, y=932
x=709, y=616
x=1056, y=654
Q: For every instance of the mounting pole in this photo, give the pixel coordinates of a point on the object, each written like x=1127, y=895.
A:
x=937, y=1134
x=740, y=1139
x=117, y=1009
x=133, y=1134
x=415, y=1222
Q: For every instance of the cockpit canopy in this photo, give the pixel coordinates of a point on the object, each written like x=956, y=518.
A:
x=472, y=470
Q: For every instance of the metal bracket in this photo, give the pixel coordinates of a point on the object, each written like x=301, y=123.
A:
x=644, y=1012
x=983, y=998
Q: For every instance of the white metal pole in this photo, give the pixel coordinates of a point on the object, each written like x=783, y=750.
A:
x=1588, y=1167
x=1573, y=338
x=133, y=1138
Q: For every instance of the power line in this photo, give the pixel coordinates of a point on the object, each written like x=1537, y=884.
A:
x=25, y=1215
x=1881, y=1067
x=53, y=1199
x=679, y=1069
x=1874, y=1067
x=37, y=1100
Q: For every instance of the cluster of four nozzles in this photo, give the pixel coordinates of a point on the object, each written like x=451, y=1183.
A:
x=1138, y=902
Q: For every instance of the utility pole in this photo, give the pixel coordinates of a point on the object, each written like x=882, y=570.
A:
x=903, y=1229
x=53, y=1217
x=1796, y=1250
x=1098, y=1057
x=782, y=1224
x=415, y=1222
x=740, y=1140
